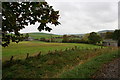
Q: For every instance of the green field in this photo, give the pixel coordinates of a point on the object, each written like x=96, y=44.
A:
x=90, y=67
x=68, y=61
x=42, y=35
x=34, y=47
x=78, y=63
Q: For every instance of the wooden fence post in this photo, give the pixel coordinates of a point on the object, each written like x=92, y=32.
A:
x=75, y=47
x=66, y=49
x=49, y=52
x=95, y=49
x=39, y=54
x=11, y=58
x=27, y=56
x=60, y=52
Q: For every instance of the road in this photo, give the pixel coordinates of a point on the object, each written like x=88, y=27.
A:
x=109, y=70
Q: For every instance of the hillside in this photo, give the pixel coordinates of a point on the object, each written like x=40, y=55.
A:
x=41, y=35
x=38, y=35
x=104, y=31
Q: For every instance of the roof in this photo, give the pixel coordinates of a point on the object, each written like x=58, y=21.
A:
x=30, y=38
x=109, y=40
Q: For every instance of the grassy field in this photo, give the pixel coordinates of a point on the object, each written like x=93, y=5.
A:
x=64, y=61
x=90, y=67
x=78, y=63
x=42, y=35
x=34, y=47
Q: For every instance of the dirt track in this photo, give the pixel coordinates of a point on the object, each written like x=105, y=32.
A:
x=110, y=70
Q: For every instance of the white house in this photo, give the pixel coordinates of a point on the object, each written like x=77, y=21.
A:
x=110, y=42
x=29, y=39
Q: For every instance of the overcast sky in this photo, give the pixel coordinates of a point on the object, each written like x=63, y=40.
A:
x=82, y=17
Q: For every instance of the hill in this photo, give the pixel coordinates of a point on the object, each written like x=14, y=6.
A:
x=104, y=31
x=38, y=35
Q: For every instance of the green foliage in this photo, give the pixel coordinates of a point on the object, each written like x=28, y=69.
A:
x=65, y=38
x=116, y=34
x=27, y=35
x=14, y=38
x=76, y=41
x=108, y=35
x=42, y=39
x=15, y=16
x=94, y=38
x=88, y=69
x=85, y=37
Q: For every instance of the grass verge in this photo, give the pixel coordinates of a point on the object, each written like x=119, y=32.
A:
x=52, y=65
x=89, y=68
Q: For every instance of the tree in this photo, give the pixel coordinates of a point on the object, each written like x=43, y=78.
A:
x=65, y=38
x=51, y=38
x=108, y=35
x=27, y=36
x=17, y=15
x=85, y=37
x=94, y=38
x=116, y=36
x=42, y=39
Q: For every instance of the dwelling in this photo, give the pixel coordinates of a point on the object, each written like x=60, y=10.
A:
x=110, y=42
x=29, y=39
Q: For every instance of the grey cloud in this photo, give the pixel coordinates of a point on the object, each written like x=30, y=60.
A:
x=83, y=17
x=102, y=12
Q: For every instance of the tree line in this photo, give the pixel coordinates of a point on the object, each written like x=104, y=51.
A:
x=95, y=38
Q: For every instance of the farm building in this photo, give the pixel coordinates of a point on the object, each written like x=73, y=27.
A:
x=29, y=39
x=110, y=42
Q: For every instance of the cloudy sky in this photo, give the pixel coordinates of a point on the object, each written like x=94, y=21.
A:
x=82, y=17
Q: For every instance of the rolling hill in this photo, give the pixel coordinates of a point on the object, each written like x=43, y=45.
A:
x=104, y=31
x=41, y=35
x=38, y=35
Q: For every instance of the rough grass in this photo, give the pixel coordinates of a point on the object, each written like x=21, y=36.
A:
x=88, y=69
x=62, y=64
x=21, y=49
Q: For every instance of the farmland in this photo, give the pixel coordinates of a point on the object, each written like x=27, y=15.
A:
x=57, y=60
x=71, y=47
x=81, y=62
x=42, y=35
x=54, y=60
x=34, y=47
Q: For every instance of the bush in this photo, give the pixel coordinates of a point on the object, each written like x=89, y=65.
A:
x=42, y=39
x=75, y=41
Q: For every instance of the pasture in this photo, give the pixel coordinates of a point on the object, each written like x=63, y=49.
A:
x=57, y=60
x=43, y=35
x=77, y=63
x=21, y=49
